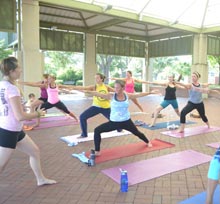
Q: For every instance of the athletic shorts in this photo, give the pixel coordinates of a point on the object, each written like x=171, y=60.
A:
x=173, y=103
x=9, y=139
x=214, y=169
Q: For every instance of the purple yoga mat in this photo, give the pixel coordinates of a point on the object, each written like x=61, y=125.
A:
x=191, y=131
x=214, y=145
x=153, y=168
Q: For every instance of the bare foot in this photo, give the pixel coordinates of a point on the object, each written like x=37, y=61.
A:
x=46, y=181
x=97, y=153
x=180, y=130
x=149, y=144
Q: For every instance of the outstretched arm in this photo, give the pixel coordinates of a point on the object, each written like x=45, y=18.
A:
x=72, y=87
x=114, y=78
x=33, y=84
x=157, y=83
x=107, y=96
x=200, y=89
x=206, y=90
x=186, y=86
x=179, y=86
x=141, y=81
x=137, y=95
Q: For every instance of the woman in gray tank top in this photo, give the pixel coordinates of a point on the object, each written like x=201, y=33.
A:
x=195, y=101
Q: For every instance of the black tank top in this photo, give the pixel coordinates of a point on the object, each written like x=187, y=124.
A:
x=170, y=93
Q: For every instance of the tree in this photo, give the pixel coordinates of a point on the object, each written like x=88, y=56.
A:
x=215, y=60
x=67, y=66
x=59, y=61
x=4, y=51
x=116, y=65
x=104, y=63
x=164, y=65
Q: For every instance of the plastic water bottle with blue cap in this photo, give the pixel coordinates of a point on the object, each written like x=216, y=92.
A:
x=124, y=180
x=91, y=161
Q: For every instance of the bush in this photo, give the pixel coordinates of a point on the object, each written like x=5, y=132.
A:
x=79, y=83
x=59, y=81
x=138, y=87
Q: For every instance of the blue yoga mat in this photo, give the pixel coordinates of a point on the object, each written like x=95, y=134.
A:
x=164, y=125
x=201, y=198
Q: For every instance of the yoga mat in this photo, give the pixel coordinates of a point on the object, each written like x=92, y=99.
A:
x=47, y=119
x=163, y=125
x=201, y=198
x=191, y=131
x=55, y=123
x=72, y=140
x=53, y=114
x=214, y=145
x=153, y=168
x=129, y=150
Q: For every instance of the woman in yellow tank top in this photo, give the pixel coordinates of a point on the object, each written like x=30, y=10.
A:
x=99, y=105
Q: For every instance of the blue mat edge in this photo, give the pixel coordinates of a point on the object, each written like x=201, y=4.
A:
x=201, y=198
x=164, y=124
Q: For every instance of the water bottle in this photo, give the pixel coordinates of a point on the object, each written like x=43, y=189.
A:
x=124, y=181
x=217, y=154
x=91, y=161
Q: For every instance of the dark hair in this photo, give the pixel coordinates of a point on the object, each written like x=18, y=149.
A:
x=121, y=83
x=101, y=76
x=197, y=74
x=52, y=76
x=45, y=76
x=129, y=72
x=31, y=95
x=8, y=64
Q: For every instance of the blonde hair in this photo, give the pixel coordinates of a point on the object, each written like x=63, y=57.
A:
x=197, y=74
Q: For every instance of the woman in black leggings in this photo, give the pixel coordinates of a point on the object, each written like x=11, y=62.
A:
x=195, y=101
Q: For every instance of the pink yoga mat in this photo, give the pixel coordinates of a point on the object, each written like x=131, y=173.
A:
x=153, y=168
x=55, y=123
x=47, y=119
x=191, y=131
x=214, y=145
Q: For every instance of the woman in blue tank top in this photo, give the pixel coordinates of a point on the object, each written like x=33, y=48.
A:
x=120, y=115
x=213, y=176
x=195, y=101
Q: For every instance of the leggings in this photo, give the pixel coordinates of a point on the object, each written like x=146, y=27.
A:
x=110, y=126
x=60, y=105
x=191, y=106
x=90, y=112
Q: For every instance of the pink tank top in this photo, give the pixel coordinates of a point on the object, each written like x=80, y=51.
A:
x=129, y=87
x=53, y=96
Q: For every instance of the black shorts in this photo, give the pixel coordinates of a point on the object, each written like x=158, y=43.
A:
x=9, y=139
x=43, y=99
